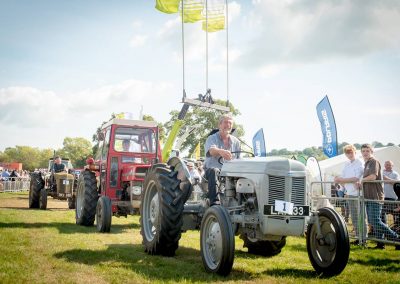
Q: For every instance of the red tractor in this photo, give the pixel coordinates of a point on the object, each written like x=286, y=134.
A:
x=112, y=182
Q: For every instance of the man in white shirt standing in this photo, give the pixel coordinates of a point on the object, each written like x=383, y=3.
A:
x=390, y=177
x=350, y=180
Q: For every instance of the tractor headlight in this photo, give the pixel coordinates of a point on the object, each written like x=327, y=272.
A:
x=136, y=190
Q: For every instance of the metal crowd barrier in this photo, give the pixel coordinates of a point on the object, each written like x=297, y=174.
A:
x=15, y=184
x=356, y=219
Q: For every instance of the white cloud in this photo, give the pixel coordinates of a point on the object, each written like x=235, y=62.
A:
x=288, y=32
x=137, y=24
x=49, y=117
x=382, y=111
x=234, y=10
x=31, y=107
x=27, y=106
x=138, y=40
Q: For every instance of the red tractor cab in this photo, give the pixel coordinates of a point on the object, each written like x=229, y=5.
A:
x=112, y=182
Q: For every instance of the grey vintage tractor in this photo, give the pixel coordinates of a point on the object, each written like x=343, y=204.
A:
x=263, y=200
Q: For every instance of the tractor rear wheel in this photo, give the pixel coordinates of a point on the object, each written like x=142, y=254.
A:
x=43, y=199
x=217, y=241
x=86, y=199
x=328, y=252
x=103, y=214
x=34, y=190
x=161, y=210
x=263, y=248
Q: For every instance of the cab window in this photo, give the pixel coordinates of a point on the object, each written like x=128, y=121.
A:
x=134, y=140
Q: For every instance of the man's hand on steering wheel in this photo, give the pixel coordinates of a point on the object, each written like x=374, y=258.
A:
x=225, y=154
x=232, y=155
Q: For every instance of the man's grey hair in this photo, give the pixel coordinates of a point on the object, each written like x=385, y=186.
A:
x=225, y=116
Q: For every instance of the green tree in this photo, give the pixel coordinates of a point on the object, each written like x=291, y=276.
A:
x=77, y=150
x=2, y=157
x=95, y=137
x=206, y=119
x=377, y=144
x=161, y=130
x=44, y=157
x=26, y=155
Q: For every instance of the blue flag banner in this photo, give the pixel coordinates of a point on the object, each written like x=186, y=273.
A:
x=259, y=144
x=328, y=127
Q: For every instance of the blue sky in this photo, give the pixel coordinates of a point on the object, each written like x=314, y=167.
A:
x=65, y=66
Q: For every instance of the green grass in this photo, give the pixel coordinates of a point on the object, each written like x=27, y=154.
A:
x=47, y=247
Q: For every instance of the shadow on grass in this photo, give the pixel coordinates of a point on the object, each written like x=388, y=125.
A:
x=378, y=264
x=26, y=208
x=292, y=272
x=70, y=228
x=186, y=264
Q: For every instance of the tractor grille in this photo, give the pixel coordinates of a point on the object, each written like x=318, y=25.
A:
x=298, y=185
x=276, y=189
x=277, y=186
x=140, y=172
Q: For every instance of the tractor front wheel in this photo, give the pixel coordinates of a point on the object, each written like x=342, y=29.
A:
x=328, y=251
x=43, y=199
x=86, y=199
x=71, y=202
x=103, y=214
x=217, y=241
x=34, y=190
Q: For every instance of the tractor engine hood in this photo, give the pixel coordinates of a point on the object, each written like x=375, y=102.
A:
x=134, y=172
x=262, y=165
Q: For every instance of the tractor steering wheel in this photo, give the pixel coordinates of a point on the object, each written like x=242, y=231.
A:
x=236, y=152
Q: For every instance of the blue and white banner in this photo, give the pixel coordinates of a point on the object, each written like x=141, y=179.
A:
x=328, y=127
x=259, y=144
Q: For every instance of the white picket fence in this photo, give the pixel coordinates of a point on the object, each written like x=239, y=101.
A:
x=16, y=184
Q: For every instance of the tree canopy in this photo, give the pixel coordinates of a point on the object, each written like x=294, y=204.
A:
x=77, y=149
x=206, y=120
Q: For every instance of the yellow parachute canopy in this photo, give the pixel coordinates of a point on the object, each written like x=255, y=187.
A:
x=214, y=16
x=168, y=6
x=191, y=10
x=214, y=24
x=211, y=12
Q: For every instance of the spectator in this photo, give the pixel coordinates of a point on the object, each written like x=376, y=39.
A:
x=390, y=177
x=219, y=145
x=373, y=193
x=338, y=191
x=5, y=175
x=194, y=174
x=14, y=174
x=199, y=165
x=350, y=178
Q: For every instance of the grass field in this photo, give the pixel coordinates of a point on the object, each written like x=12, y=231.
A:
x=39, y=246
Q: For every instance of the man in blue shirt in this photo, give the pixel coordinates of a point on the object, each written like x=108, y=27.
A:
x=5, y=175
x=219, y=145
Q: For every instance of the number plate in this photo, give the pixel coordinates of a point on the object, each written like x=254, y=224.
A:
x=66, y=182
x=297, y=210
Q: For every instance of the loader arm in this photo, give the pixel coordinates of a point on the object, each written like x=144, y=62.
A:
x=174, y=133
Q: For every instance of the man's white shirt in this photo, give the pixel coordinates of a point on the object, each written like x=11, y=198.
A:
x=352, y=169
